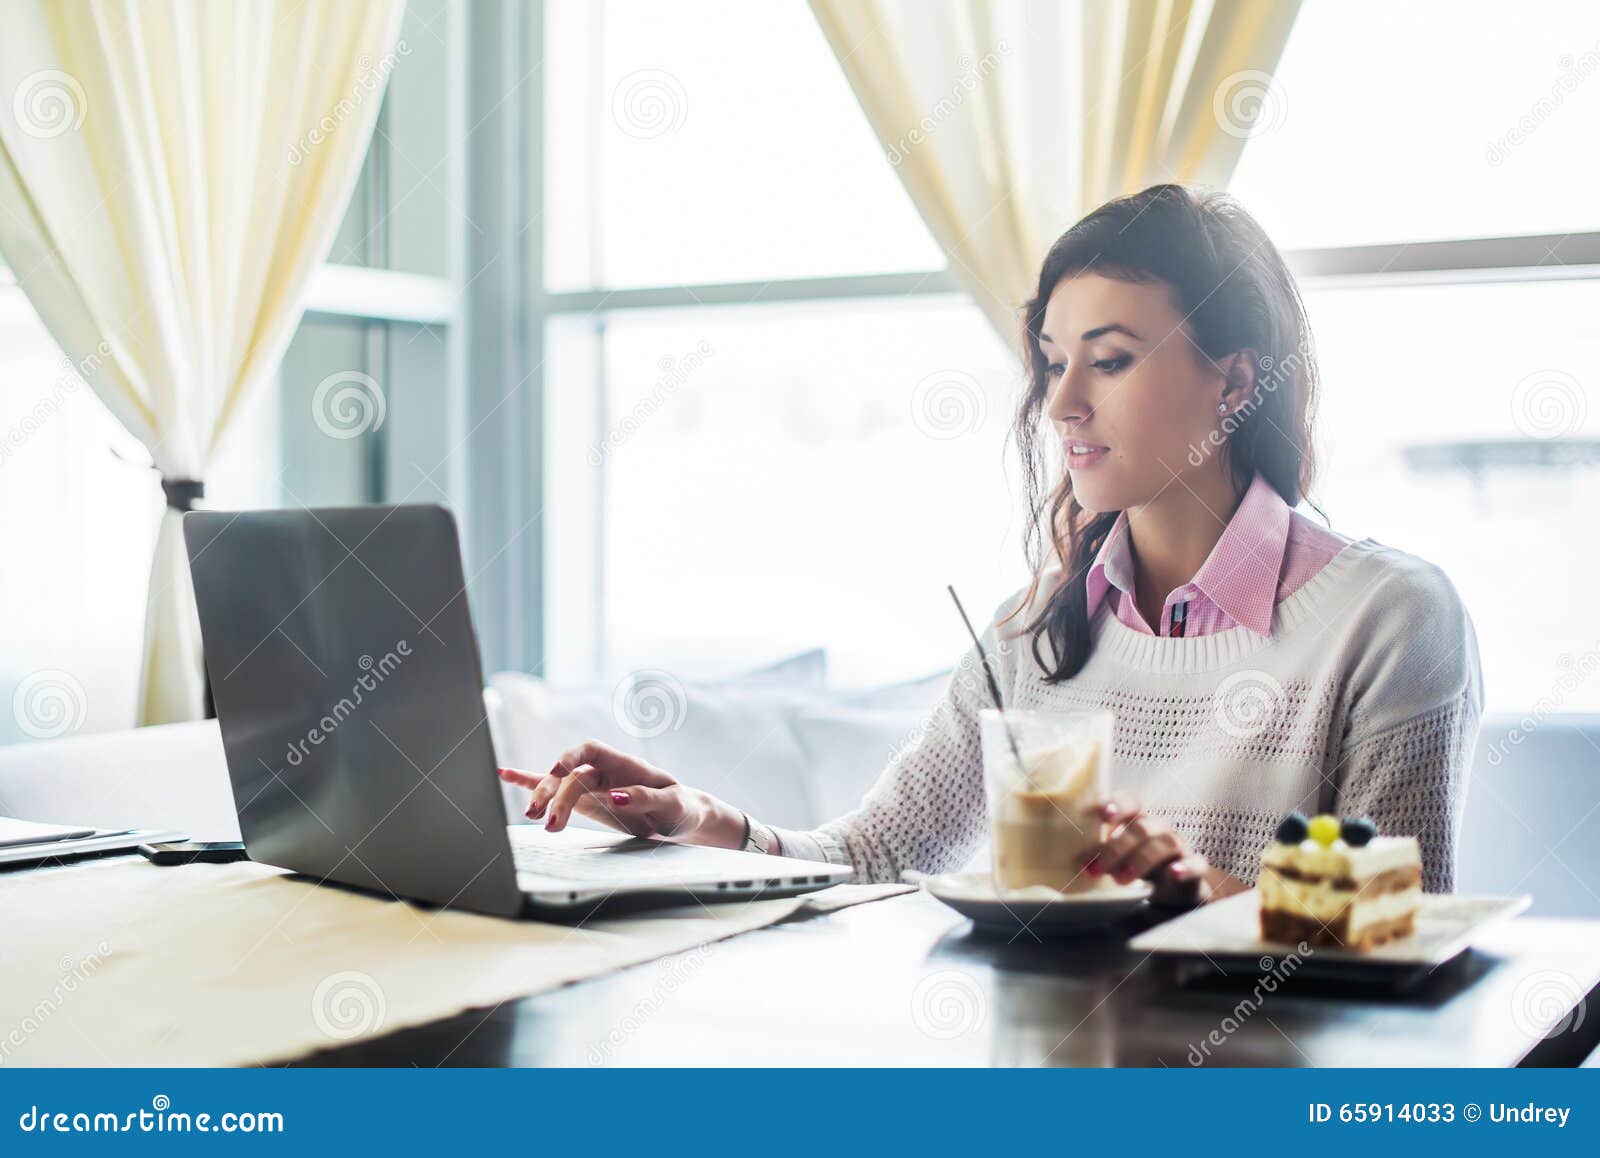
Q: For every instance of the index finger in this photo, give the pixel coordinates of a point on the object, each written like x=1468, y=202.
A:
x=609, y=768
x=519, y=777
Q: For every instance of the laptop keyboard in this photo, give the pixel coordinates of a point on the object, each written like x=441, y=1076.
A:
x=626, y=863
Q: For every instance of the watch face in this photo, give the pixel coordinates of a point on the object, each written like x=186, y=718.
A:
x=760, y=838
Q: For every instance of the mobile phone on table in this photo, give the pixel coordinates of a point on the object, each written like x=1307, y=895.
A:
x=194, y=852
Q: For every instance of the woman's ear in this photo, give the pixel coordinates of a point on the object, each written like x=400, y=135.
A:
x=1239, y=377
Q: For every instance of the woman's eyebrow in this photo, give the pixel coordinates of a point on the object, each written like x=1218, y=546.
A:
x=1091, y=335
x=1113, y=328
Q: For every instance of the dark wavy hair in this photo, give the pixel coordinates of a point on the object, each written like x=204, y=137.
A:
x=1235, y=292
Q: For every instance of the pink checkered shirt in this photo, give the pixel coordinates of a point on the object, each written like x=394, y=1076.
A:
x=1267, y=552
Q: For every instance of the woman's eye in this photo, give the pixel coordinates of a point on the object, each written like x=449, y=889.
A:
x=1055, y=370
x=1112, y=365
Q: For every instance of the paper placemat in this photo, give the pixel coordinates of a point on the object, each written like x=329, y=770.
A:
x=123, y=963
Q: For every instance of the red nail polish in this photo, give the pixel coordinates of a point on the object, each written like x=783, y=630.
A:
x=556, y=769
x=619, y=798
x=1123, y=877
x=1093, y=867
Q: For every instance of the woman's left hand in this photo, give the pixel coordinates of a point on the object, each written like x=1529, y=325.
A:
x=1146, y=846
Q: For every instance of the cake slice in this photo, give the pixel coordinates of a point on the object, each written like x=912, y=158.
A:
x=1327, y=882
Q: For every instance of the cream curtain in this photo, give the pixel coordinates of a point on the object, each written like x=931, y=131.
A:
x=1007, y=120
x=171, y=173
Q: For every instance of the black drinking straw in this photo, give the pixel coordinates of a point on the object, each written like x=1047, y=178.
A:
x=988, y=674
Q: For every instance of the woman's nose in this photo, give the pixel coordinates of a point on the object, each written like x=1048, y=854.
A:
x=1066, y=402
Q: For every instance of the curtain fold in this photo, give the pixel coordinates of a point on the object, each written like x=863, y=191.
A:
x=1007, y=120
x=171, y=174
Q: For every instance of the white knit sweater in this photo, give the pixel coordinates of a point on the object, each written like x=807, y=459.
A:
x=1364, y=701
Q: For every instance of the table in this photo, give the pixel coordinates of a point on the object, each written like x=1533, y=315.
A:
x=908, y=982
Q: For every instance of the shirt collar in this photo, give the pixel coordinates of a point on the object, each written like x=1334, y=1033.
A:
x=1240, y=575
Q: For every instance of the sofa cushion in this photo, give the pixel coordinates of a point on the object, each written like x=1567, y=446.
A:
x=847, y=748
x=1531, y=810
x=735, y=741
x=776, y=742
x=172, y=776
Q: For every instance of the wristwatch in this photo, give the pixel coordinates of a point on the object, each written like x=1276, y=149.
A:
x=758, y=837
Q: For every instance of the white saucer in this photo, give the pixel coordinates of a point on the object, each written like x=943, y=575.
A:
x=1038, y=908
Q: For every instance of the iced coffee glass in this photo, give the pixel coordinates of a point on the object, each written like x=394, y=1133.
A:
x=1043, y=825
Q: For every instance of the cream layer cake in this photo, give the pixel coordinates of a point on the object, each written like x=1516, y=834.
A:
x=1330, y=882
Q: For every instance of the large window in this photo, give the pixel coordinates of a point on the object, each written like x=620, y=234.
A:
x=734, y=470
x=634, y=288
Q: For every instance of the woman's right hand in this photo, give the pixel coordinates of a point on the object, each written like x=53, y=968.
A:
x=599, y=782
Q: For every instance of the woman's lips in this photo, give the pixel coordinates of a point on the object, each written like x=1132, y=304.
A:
x=1082, y=455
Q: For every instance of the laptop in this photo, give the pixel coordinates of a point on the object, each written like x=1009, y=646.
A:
x=345, y=675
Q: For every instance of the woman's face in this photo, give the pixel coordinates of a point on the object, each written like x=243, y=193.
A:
x=1133, y=400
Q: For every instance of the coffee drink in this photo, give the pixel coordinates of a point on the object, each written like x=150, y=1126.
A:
x=1043, y=811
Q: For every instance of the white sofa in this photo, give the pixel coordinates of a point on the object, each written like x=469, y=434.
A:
x=779, y=742
x=1533, y=805
x=788, y=748
x=167, y=777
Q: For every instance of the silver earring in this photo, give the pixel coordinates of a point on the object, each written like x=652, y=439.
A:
x=1222, y=408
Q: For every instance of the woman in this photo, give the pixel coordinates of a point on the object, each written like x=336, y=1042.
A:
x=1256, y=663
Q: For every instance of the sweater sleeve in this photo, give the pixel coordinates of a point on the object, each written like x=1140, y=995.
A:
x=926, y=812
x=1416, y=702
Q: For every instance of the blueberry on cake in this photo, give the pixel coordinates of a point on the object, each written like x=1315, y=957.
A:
x=1327, y=881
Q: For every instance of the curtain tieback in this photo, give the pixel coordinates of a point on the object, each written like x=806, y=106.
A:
x=183, y=493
